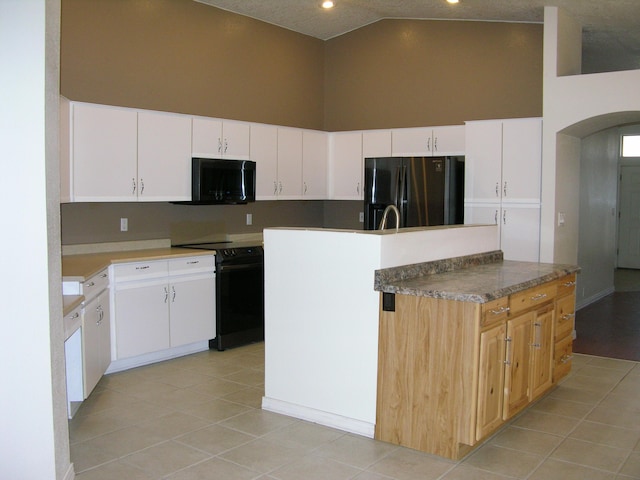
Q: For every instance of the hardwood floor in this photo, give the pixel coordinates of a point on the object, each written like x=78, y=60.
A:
x=610, y=327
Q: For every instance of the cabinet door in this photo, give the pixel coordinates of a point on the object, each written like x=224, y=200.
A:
x=235, y=140
x=96, y=341
x=206, y=140
x=483, y=161
x=490, y=380
x=315, y=151
x=520, y=232
x=289, y=163
x=448, y=140
x=376, y=143
x=164, y=157
x=192, y=309
x=346, y=166
x=142, y=318
x=409, y=142
x=521, y=160
x=517, y=366
x=264, y=151
x=104, y=154
x=542, y=352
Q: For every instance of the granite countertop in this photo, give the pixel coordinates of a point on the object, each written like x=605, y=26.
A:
x=83, y=266
x=474, y=278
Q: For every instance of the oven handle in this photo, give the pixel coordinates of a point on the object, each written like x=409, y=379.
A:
x=236, y=268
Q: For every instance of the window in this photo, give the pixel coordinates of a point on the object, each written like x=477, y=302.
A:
x=631, y=145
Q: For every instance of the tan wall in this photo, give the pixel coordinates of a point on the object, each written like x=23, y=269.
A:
x=402, y=73
x=186, y=57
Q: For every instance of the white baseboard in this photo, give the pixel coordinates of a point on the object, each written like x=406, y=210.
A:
x=332, y=420
x=594, y=298
x=70, y=474
x=153, y=357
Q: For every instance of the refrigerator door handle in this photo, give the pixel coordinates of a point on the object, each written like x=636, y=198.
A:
x=402, y=196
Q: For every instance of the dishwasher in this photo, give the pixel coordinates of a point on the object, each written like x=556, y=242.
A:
x=239, y=293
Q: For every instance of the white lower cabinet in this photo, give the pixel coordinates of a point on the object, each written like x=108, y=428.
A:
x=96, y=341
x=163, y=304
x=519, y=227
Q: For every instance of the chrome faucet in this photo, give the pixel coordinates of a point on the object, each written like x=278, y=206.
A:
x=385, y=214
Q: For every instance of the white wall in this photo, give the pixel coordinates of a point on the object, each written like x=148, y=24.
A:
x=34, y=441
x=598, y=219
x=575, y=106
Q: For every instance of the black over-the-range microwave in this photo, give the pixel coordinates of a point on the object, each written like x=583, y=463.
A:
x=222, y=181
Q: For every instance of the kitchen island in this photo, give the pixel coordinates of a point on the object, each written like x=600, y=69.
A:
x=465, y=344
x=322, y=314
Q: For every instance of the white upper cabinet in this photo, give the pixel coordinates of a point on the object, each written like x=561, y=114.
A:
x=376, y=143
x=521, y=160
x=289, y=163
x=101, y=157
x=315, y=155
x=264, y=151
x=503, y=161
x=346, y=166
x=483, y=161
x=428, y=141
x=164, y=157
x=113, y=154
x=215, y=138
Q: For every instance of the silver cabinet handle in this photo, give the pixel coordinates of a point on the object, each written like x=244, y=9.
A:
x=435, y=144
x=358, y=188
x=428, y=144
x=173, y=294
x=74, y=316
x=219, y=145
x=568, y=284
x=133, y=186
x=141, y=186
x=275, y=187
x=226, y=145
x=280, y=189
x=537, y=326
x=495, y=218
x=497, y=189
x=539, y=296
x=305, y=188
x=166, y=294
x=566, y=358
x=91, y=284
x=505, y=188
x=567, y=316
x=499, y=311
x=104, y=275
x=507, y=352
x=504, y=217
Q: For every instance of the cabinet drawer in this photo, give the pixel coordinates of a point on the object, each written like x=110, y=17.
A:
x=140, y=270
x=566, y=285
x=94, y=285
x=532, y=297
x=494, y=311
x=565, y=316
x=190, y=265
x=563, y=353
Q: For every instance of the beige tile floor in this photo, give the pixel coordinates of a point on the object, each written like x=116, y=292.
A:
x=199, y=417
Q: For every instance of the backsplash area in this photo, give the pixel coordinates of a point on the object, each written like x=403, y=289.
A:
x=85, y=223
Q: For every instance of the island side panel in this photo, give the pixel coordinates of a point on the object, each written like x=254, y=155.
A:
x=427, y=375
x=321, y=327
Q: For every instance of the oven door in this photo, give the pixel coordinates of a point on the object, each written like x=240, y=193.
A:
x=239, y=303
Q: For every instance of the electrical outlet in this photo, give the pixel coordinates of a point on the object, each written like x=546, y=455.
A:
x=124, y=224
x=249, y=219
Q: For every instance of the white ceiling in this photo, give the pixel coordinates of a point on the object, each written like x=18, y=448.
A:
x=611, y=28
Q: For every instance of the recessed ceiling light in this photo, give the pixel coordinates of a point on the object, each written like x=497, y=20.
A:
x=453, y=1
x=327, y=4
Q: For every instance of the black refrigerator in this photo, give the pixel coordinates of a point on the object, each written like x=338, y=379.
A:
x=427, y=190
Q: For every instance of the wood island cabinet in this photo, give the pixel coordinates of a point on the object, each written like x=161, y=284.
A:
x=452, y=372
